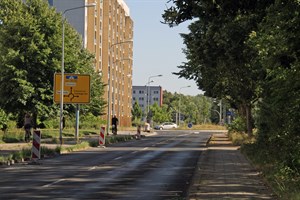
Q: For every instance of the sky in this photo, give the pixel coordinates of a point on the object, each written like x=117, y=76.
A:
x=157, y=48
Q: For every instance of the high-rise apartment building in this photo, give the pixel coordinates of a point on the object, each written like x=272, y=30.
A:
x=107, y=32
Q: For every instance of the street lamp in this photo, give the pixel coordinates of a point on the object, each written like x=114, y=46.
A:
x=146, y=100
x=119, y=102
x=180, y=102
x=148, y=91
x=62, y=66
x=109, y=82
x=219, y=112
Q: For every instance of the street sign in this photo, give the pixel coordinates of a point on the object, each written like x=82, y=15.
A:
x=229, y=113
x=76, y=88
x=190, y=125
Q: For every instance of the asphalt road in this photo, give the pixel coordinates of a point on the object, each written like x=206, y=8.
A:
x=154, y=168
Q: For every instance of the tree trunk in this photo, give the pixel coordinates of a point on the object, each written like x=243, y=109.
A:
x=245, y=112
x=34, y=120
x=249, y=120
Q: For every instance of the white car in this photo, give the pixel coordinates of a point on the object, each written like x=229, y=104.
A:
x=166, y=125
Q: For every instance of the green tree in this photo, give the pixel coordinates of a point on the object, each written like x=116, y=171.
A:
x=196, y=108
x=3, y=120
x=159, y=114
x=277, y=42
x=137, y=113
x=30, y=37
x=219, y=59
x=203, y=107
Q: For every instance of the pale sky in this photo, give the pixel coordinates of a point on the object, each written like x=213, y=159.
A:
x=157, y=48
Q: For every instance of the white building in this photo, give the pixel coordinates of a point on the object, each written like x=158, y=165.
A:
x=140, y=94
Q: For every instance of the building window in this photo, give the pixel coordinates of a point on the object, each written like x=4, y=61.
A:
x=133, y=91
x=155, y=92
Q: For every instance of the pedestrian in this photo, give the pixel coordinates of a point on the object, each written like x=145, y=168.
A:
x=27, y=126
x=138, y=134
x=114, y=123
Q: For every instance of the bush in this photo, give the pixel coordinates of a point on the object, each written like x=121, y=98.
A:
x=238, y=125
x=51, y=123
x=3, y=120
x=284, y=180
x=12, y=137
x=238, y=138
x=91, y=121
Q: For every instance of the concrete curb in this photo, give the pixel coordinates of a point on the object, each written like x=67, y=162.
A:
x=196, y=176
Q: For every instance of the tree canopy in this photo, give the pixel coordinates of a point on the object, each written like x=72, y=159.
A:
x=219, y=59
x=30, y=54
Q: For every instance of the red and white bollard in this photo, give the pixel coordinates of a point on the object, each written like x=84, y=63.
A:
x=36, y=146
x=102, y=136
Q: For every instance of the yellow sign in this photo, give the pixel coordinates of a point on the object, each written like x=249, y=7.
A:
x=76, y=88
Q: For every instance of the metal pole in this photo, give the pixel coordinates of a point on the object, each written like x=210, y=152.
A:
x=108, y=99
x=148, y=93
x=220, y=111
x=62, y=81
x=77, y=123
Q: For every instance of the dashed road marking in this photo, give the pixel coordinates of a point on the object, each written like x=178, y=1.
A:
x=58, y=181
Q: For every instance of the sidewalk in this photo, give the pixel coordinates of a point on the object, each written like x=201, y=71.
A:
x=224, y=173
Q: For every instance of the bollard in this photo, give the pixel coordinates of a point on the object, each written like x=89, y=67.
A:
x=102, y=136
x=36, y=146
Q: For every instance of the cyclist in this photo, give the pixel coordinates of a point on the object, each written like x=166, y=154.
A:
x=114, y=123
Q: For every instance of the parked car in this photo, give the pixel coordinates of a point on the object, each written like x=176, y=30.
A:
x=165, y=125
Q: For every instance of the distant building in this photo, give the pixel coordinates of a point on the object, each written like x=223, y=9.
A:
x=104, y=29
x=140, y=94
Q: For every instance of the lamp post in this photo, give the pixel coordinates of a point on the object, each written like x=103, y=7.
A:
x=119, y=114
x=62, y=67
x=219, y=112
x=146, y=100
x=180, y=102
x=148, y=91
x=109, y=82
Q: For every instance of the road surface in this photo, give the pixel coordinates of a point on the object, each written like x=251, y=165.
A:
x=154, y=168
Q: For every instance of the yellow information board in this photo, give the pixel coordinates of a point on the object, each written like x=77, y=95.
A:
x=76, y=88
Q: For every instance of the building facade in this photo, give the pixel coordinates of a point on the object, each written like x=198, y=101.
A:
x=107, y=32
x=147, y=95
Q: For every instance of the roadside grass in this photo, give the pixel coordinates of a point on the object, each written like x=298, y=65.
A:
x=239, y=139
x=284, y=181
x=203, y=127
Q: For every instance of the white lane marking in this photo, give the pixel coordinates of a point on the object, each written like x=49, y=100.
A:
x=92, y=168
x=145, y=148
x=48, y=185
x=118, y=158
